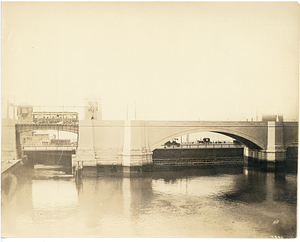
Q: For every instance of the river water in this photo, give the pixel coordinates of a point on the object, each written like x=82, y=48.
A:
x=205, y=203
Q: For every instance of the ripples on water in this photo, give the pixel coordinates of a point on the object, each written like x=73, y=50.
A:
x=218, y=203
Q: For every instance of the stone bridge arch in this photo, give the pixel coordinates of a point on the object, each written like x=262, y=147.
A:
x=22, y=128
x=247, y=139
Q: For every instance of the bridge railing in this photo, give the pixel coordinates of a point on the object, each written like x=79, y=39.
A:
x=203, y=146
x=49, y=147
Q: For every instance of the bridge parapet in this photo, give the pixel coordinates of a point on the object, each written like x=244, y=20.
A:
x=203, y=123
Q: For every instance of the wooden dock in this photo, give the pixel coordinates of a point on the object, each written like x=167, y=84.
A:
x=9, y=165
x=181, y=161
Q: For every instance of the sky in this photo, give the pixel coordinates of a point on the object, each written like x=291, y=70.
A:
x=169, y=61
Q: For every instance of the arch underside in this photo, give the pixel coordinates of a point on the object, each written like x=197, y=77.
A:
x=246, y=142
x=244, y=138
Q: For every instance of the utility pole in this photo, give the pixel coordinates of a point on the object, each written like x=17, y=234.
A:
x=7, y=110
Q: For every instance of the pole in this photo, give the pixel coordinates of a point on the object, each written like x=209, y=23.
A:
x=14, y=111
x=7, y=111
x=135, y=109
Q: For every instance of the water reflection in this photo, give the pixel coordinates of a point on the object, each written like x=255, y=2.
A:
x=249, y=188
x=285, y=189
x=229, y=202
x=141, y=194
x=64, y=190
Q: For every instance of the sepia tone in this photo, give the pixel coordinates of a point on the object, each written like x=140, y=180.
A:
x=149, y=119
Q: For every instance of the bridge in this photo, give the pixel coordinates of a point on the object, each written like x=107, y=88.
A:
x=28, y=121
x=130, y=143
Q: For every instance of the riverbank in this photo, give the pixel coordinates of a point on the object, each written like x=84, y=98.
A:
x=13, y=172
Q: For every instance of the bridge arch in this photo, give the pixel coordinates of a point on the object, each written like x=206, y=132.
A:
x=246, y=139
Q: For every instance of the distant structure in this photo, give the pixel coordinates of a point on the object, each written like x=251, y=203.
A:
x=93, y=108
x=24, y=113
x=33, y=138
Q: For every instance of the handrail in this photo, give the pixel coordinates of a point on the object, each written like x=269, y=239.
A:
x=199, y=146
x=45, y=147
x=50, y=145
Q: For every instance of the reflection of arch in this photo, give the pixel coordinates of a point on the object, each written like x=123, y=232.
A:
x=8, y=185
x=246, y=139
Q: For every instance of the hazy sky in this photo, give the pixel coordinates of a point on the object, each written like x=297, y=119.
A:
x=178, y=61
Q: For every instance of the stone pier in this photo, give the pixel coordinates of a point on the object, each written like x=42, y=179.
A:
x=274, y=154
x=136, y=155
x=113, y=145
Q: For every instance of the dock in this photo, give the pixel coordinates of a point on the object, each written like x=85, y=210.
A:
x=10, y=165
